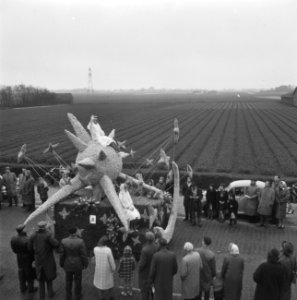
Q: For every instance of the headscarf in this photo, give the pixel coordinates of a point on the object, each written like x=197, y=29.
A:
x=233, y=248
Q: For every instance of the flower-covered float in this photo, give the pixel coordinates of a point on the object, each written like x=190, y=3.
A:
x=91, y=202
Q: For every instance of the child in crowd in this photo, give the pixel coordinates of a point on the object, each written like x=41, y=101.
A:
x=233, y=209
x=126, y=269
x=218, y=287
x=42, y=189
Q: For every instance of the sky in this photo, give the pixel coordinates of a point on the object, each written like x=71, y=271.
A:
x=186, y=44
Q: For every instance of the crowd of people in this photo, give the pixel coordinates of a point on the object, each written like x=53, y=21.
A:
x=156, y=268
x=271, y=203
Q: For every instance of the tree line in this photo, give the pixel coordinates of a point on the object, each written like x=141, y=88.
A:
x=21, y=95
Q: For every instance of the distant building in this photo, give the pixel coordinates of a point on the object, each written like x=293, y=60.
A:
x=290, y=98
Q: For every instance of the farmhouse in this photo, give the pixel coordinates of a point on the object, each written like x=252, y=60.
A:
x=290, y=98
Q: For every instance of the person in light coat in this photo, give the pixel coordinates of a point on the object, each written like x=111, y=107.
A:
x=104, y=269
x=191, y=266
x=267, y=197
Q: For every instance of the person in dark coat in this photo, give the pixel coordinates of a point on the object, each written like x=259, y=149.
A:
x=211, y=207
x=9, y=181
x=28, y=192
x=195, y=205
x=42, y=189
x=25, y=257
x=163, y=268
x=266, y=201
x=269, y=277
x=288, y=261
x=186, y=191
x=232, y=273
x=42, y=242
x=281, y=204
x=209, y=267
x=73, y=259
x=232, y=209
x=147, y=252
x=222, y=198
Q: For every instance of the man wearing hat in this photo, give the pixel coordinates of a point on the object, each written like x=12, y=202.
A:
x=25, y=257
x=42, y=242
x=147, y=252
x=73, y=259
x=9, y=181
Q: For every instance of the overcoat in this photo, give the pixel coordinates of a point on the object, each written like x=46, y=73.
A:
x=269, y=278
x=289, y=263
x=144, y=264
x=42, y=242
x=232, y=274
x=191, y=266
x=28, y=192
x=281, y=204
x=163, y=268
x=267, y=197
x=9, y=180
x=25, y=257
x=73, y=255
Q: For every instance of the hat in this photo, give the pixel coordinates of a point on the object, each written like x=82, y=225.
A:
x=42, y=224
x=234, y=250
x=188, y=246
x=20, y=228
x=149, y=236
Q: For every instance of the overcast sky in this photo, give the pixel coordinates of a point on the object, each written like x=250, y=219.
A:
x=142, y=43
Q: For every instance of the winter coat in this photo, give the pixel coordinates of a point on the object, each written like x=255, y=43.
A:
x=281, y=204
x=209, y=268
x=28, y=192
x=232, y=274
x=269, y=278
x=73, y=255
x=42, y=243
x=25, y=257
x=104, y=268
x=42, y=190
x=127, y=265
x=9, y=181
x=163, y=268
x=251, y=202
x=267, y=197
x=289, y=263
x=191, y=266
x=144, y=264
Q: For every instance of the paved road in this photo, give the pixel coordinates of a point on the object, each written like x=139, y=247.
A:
x=253, y=242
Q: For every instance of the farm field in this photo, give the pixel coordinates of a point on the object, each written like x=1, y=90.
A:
x=219, y=134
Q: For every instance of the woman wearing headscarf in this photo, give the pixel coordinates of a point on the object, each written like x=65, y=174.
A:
x=269, y=277
x=281, y=204
x=232, y=273
x=288, y=261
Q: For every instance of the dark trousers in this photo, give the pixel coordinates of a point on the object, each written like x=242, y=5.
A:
x=76, y=277
x=49, y=285
x=206, y=295
x=24, y=281
x=186, y=206
x=10, y=198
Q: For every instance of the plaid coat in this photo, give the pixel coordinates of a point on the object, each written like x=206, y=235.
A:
x=126, y=267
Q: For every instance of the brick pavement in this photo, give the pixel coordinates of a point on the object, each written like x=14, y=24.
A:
x=253, y=242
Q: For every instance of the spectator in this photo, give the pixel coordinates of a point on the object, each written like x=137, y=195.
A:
x=73, y=259
x=169, y=187
x=195, y=205
x=191, y=266
x=126, y=269
x=282, y=198
x=267, y=196
x=218, y=287
x=288, y=260
x=269, y=277
x=22, y=180
x=1, y=191
x=222, y=198
x=211, y=203
x=232, y=209
x=42, y=189
x=276, y=187
x=9, y=181
x=65, y=178
x=42, y=242
x=252, y=201
x=232, y=273
x=147, y=252
x=209, y=267
x=186, y=191
x=163, y=268
x=161, y=184
x=29, y=192
x=104, y=269
x=25, y=257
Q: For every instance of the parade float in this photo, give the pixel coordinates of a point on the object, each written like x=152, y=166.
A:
x=102, y=200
